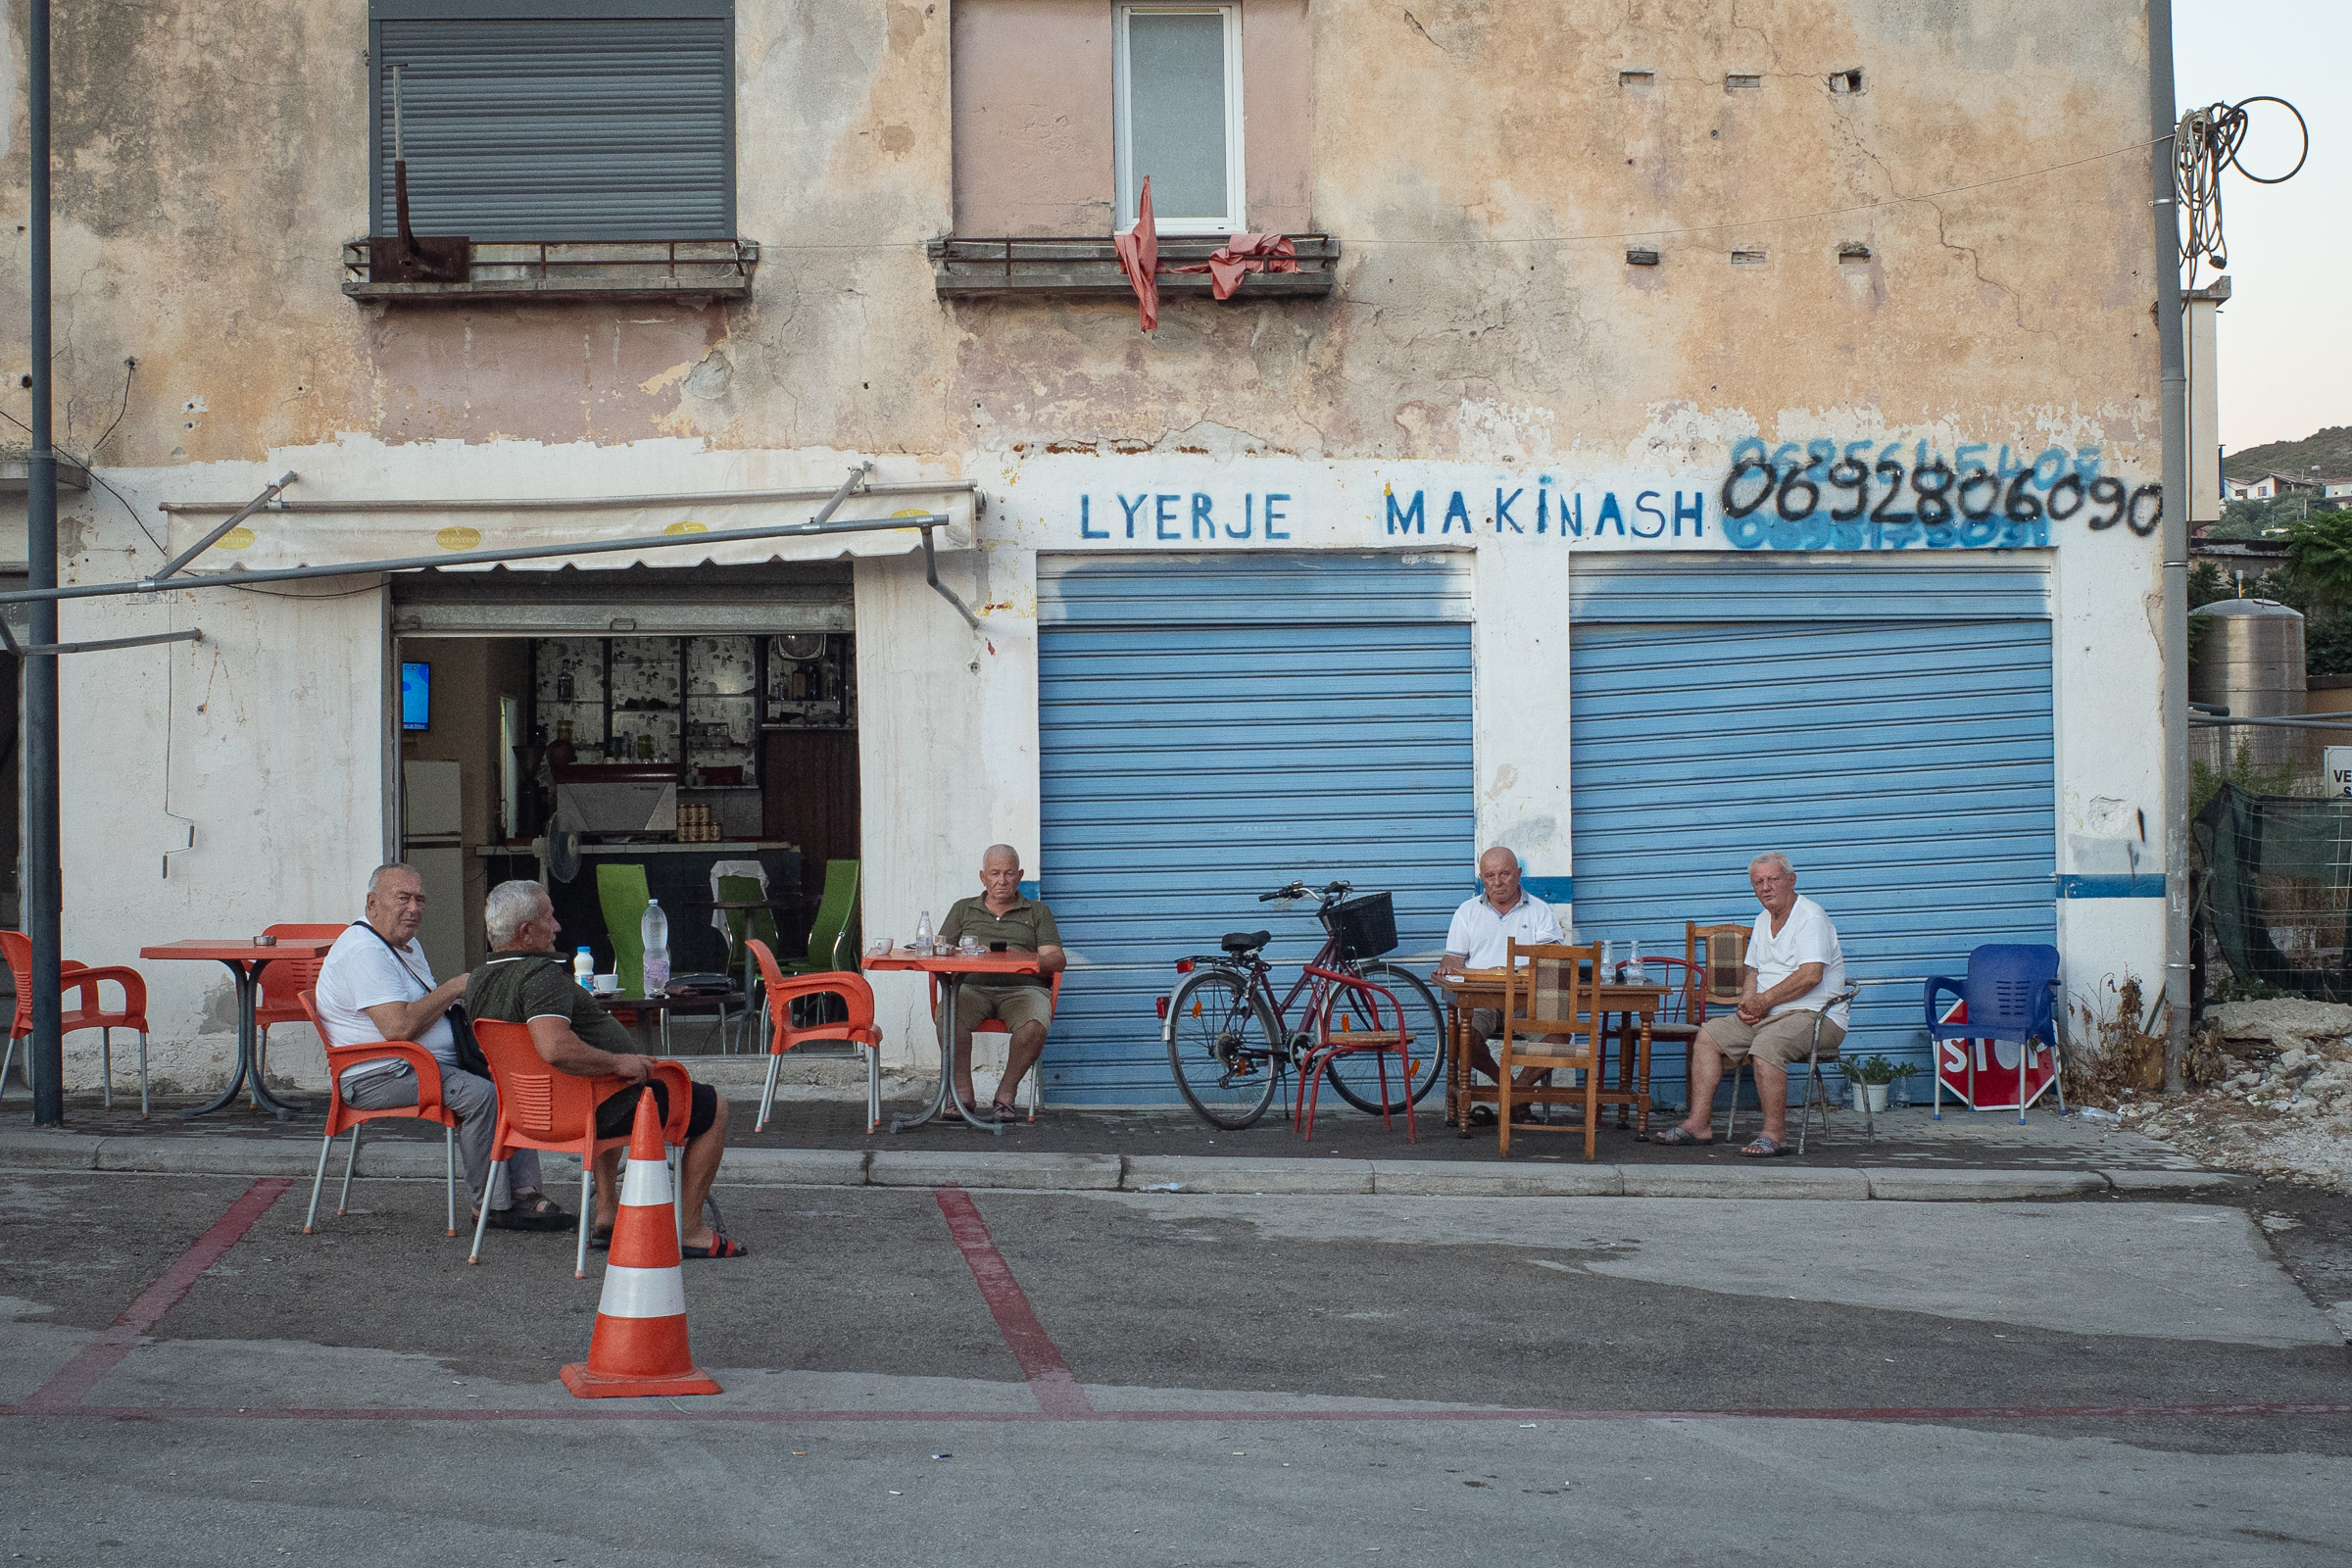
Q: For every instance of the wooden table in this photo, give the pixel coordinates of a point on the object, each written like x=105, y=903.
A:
x=246, y=962
x=952, y=969
x=1483, y=988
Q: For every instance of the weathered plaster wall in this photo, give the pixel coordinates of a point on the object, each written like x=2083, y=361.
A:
x=1485, y=166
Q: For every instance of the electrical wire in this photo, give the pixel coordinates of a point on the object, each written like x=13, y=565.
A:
x=2207, y=146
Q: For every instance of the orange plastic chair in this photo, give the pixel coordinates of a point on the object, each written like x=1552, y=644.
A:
x=858, y=1029
x=284, y=981
x=80, y=980
x=999, y=1026
x=1332, y=1043
x=339, y=1116
x=539, y=1107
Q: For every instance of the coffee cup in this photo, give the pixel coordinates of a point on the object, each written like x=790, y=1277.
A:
x=608, y=985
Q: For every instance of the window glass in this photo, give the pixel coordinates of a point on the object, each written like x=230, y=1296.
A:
x=1176, y=110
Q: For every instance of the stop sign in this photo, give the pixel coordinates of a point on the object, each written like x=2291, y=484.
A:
x=1983, y=1072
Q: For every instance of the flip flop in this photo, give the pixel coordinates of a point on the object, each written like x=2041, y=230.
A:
x=1764, y=1147
x=720, y=1246
x=1679, y=1134
x=1005, y=1110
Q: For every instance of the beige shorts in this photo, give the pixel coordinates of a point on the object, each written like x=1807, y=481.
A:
x=1783, y=1040
x=1012, y=1005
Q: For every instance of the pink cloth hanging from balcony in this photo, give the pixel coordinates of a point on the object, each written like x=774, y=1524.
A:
x=1139, y=259
x=1243, y=254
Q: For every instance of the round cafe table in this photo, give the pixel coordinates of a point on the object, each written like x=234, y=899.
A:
x=952, y=969
x=246, y=962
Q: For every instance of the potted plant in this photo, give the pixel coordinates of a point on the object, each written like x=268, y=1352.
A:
x=1870, y=1076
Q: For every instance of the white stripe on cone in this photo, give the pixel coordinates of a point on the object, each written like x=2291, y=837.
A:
x=643, y=1292
x=646, y=1183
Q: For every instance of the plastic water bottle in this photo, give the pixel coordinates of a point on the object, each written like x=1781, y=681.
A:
x=1608, y=962
x=583, y=969
x=653, y=931
x=922, y=933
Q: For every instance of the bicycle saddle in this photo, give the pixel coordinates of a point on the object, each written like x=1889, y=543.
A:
x=1247, y=940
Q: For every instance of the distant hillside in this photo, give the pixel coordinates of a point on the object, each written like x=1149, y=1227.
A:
x=2330, y=449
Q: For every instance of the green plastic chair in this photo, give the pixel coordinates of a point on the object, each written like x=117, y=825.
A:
x=621, y=892
x=835, y=913
x=745, y=924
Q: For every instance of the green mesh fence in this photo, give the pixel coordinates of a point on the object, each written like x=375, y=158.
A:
x=2279, y=887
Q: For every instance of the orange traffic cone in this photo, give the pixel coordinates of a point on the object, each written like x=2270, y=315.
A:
x=639, y=1347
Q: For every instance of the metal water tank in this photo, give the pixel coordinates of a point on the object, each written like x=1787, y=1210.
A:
x=2249, y=659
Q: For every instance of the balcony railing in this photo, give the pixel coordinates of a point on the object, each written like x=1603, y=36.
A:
x=1041, y=265
x=573, y=270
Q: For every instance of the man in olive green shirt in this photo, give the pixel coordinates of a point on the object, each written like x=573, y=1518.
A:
x=999, y=916
x=527, y=981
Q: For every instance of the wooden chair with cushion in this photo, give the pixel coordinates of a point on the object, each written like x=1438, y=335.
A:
x=1551, y=990
x=1720, y=955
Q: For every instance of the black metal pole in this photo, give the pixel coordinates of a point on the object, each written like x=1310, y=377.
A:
x=43, y=886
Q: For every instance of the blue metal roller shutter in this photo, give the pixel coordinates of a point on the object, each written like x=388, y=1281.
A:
x=1890, y=728
x=559, y=129
x=1209, y=729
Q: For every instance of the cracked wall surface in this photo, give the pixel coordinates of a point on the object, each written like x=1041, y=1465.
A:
x=1955, y=258
x=1479, y=163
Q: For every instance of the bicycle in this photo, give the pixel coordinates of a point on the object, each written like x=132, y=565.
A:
x=1231, y=1042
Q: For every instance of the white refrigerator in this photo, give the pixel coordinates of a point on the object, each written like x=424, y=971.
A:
x=432, y=840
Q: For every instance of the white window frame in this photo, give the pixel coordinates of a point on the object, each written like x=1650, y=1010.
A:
x=1228, y=223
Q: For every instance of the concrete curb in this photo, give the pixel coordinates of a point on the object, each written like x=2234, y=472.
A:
x=211, y=1156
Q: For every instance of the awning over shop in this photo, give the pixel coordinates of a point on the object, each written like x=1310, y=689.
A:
x=306, y=528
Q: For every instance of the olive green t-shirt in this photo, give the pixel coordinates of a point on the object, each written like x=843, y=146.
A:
x=1026, y=927
x=517, y=986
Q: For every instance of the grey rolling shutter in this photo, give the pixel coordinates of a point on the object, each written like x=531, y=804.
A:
x=559, y=129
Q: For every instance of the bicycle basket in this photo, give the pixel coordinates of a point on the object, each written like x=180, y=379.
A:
x=1366, y=926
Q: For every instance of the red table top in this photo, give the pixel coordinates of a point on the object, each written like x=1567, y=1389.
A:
x=239, y=950
x=957, y=964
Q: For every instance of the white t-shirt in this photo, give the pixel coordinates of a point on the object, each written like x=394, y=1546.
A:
x=360, y=973
x=1480, y=935
x=1807, y=937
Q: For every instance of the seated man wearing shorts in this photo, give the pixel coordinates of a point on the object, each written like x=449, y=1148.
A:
x=1000, y=919
x=527, y=981
x=1788, y=986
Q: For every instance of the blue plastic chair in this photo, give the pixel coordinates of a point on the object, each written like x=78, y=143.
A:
x=2011, y=992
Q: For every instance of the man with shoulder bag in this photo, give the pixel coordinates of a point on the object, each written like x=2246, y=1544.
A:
x=376, y=985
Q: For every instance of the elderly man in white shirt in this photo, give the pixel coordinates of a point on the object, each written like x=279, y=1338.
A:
x=1483, y=929
x=376, y=985
x=1793, y=980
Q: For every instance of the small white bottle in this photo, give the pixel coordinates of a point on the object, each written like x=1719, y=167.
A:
x=583, y=969
x=1607, y=973
x=922, y=933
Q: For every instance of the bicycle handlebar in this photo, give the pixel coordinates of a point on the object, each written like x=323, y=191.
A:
x=1330, y=893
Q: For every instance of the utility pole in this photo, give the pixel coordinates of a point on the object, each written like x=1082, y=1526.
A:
x=2173, y=388
x=43, y=888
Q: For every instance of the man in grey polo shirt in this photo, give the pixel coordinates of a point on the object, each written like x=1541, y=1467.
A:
x=1025, y=1004
x=1480, y=938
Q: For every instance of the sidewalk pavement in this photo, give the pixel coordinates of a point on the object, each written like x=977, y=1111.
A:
x=819, y=1141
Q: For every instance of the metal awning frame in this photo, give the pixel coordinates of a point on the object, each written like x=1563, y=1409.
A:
x=819, y=527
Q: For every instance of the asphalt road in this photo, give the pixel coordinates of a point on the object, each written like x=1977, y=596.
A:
x=1044, y=1379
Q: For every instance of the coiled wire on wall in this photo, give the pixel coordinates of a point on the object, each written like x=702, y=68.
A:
x=2207, y=145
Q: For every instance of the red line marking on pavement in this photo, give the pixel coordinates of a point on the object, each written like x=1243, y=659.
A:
x=615, y=1411
x=1057, y=1392
x=77, y=1377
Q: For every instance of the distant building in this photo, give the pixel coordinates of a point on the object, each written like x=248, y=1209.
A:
x=2271, y=485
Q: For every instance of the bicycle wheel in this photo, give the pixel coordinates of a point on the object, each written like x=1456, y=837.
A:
x=1358, y=1078
x=1221, y=1044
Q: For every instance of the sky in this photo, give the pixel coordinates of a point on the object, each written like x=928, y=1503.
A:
x=2285, y=337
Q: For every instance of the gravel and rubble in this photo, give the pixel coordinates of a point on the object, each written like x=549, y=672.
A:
x=2282, y=1103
